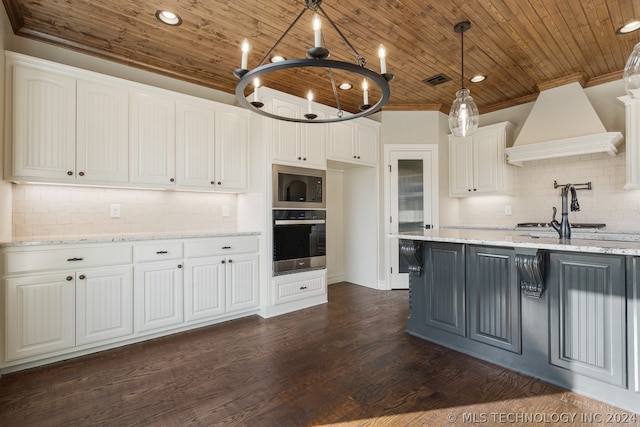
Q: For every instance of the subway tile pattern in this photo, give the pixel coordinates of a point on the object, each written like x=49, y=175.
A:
x=47, y=210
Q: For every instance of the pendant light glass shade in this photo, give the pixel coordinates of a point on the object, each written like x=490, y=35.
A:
x=464, y=116
x=631, y=76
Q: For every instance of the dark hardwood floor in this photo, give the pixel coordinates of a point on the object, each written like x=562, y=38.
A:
x=345, y=363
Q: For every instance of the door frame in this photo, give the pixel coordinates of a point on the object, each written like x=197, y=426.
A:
x=435, y=197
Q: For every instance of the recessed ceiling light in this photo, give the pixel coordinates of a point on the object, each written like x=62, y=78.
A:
x=345, y=86
x=479, y=78
x=278, y=58
x=627, y=28
x=168, y=17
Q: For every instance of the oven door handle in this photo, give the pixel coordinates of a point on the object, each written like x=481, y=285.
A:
x=298, y=221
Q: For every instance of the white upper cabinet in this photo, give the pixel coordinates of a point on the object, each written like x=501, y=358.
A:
x=231, y=149
x=74, y=126
x=477, y=163
x=354, y=142
x=44, y=124
x=195, y=143
x=152, y=138
x=298, y=143
x=102, y=141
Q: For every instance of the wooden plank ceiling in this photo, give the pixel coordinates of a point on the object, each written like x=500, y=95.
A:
x=522, y=46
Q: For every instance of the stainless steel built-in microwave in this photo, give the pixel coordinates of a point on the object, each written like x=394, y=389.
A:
x=298, y=188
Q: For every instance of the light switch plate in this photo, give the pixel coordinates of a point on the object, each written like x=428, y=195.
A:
x=507, y=210
x=114, y=210
x=225, y=211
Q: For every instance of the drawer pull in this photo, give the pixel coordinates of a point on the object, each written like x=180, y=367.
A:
x=82, y=277
x=69, y=278
x=303, y=287
x=74, y=259
x=226, y=247
x=162, y=252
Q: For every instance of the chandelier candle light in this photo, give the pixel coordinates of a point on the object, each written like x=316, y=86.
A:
x=317, y=58
x=464, y=116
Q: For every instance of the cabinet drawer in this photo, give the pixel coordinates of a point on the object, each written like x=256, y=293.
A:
x=157, y=251
x=65, y=259
x=221, y=246
x=292, y=288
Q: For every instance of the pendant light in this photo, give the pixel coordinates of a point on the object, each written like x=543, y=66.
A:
x=464, y=116
x=631, y=74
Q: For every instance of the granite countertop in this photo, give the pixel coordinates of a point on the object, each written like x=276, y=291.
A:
x=592, y=241
x=104, y=238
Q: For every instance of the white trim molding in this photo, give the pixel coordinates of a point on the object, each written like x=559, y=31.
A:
x=606, y=142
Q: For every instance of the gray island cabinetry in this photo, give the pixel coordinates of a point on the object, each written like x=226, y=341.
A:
x=564, y=312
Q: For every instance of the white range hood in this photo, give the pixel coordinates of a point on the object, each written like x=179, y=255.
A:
x=562, y=123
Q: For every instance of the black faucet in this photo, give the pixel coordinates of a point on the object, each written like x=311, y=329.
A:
x=563, y=227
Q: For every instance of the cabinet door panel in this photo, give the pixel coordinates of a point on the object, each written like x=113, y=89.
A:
x=104, y=301
x=367, y=144
x=445, y=288
x=158, y=296
x=286, y=135
x=460, y=166
x=587, y=310
x=40, y=314
x=341, y=145
x=242, y=282
x=494, y=297
x=152, y=137
x=44, y=124
x=231, y=153
x=204, y=288
x=486, y=162
x=102, y=134
x=633, y=322
x=195, y=145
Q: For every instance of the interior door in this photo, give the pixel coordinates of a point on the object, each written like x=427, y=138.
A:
x=412, y=200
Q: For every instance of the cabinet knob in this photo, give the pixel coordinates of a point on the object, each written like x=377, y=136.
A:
x=230, y=261
x=299, y=158
x=179, y=265
x=69, y=278
x=358, y=156
x=81, y=173
x=172, y=180
x=475, y=189
x=82, y=277
x=223, y=261
x=304, y=158
x=219, y=182
x=213, y=183
x=469, y=189
x=355, y=157
x=69, y=173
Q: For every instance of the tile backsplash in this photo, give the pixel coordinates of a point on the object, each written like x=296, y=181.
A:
x=47, y=210
x=534, y=195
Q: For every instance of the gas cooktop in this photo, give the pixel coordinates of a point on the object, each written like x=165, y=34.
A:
x=548, y=225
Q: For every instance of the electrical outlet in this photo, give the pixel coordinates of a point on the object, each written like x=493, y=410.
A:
x=114, y=210
x=507, y=210
x=225, y=211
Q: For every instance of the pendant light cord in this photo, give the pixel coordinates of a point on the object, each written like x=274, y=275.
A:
x=462, y=58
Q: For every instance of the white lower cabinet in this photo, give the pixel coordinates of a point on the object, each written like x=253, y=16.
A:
x=204, y=290
x=67, y=300
x=104, y=305
x=158, y=295
x=39, y=314
x=222, y=284
x=299, y=286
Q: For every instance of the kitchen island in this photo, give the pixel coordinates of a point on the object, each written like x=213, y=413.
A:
x=565, y=311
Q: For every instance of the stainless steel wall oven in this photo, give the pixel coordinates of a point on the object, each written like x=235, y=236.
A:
x=299, y=240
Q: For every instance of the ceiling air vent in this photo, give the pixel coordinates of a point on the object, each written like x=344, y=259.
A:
x=437, y=80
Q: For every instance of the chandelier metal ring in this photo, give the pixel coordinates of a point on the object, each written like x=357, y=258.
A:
x=378, y=79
